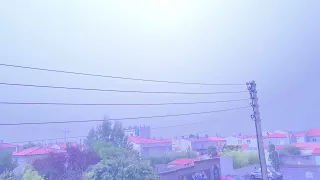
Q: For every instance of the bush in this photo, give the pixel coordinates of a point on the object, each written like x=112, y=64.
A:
x=30, y=174
x=7, y=175
x=242, y=158
x=170, y=157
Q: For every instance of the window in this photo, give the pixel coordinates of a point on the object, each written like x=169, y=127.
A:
x=314, y=140
x=239, y=141
x=249, y=141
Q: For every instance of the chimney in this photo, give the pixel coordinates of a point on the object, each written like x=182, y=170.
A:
x=17, y=148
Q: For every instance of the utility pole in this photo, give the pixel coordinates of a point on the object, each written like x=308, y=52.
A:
x=251, y=86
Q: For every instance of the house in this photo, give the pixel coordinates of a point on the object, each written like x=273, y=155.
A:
x=9, y=147
x=141, y=131
x=151, y=147
x=240, y=140
x=199, y=144
x=27, y=156
x=313, y=135
x=279, y=138
x=301, y=137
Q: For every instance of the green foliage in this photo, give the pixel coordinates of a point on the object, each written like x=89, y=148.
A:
x=170, y=157
x=242, y=158
x=274, y=157
x=227, y=148
x=119, y=160
x=7, y=175
x=212, y=151
x=108, y=133
x=121, y=168
x=30, y=174
x=290, y=150
x=28, y=145
x=7, y=164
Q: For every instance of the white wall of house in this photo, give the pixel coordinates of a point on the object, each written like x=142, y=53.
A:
x=317, y=160
x=179, y=145
x=252, y=142
x=231, y=140
x=276, y=141
x=313, y=139
x=301, y=139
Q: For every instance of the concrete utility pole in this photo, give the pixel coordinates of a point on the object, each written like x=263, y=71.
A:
x=251, y=86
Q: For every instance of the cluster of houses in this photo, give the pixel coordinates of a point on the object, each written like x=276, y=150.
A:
x=308, y=141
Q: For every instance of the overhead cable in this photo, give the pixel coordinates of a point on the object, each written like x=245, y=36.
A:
x=116, y=77
x=120, y=119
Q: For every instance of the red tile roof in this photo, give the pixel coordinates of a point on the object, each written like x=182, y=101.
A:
x=183, y=161
x=7, y=145
x=37, y=151
x=313, y=132
x=275, y=135
x=142, y=140
x=316, y=151
x=214, y=138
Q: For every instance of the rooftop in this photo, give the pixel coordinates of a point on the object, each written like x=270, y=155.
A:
x=37, y=151
x=275, y=135
x=142, y=140
x=7, y=145
x=313, y=132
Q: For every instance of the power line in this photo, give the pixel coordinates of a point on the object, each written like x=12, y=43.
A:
x=116, y=77
x=119, y=104
x=116, y=90
x=120, y=119
x=52, y=139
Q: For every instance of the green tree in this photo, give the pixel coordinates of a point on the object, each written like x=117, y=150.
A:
x=28, y=145
x=274, y=157
x=30, y=174
x=212, y=151
x=242, y=158
x=7, y=164
x=227, y=148
x=290, y=150
x=108, y=133
x=120, y=168
x=7, y=175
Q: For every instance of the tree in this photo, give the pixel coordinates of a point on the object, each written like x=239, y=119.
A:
x=7, y=175
x=108, y=133
x=7, y=164
x=28, y=145
x=290, y=150
x=120, y=168
x=212, y=151
x=30, y=174
x=192, y=136
x=274, y=157
x=72, y=164
x=227, y=148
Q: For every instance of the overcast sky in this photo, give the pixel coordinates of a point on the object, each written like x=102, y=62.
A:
x=275, y=43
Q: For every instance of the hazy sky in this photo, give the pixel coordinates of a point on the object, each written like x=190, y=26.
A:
x=275, y=43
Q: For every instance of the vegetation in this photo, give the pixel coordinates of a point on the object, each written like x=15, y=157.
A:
x=72, y=165
x=242, y=158
x=7, y=164
x=118, y=159
x=7, y=175
x=30, y=174
x=212, y=151
x=290, y=150
x=274, y=157
x=227, y=148
x=170, y=157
